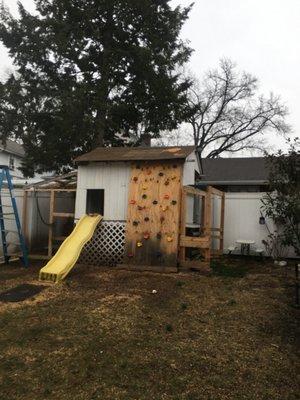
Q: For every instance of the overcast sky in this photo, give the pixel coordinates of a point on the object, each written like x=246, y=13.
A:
x=261, y=36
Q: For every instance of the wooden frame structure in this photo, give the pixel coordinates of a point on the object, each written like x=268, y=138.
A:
x=205, y=234
x=66, y=183
x=218, y=232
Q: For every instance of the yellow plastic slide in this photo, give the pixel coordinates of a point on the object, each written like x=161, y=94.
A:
x=63, y=261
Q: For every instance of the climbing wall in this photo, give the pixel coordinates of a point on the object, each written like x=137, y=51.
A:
x=153, y=216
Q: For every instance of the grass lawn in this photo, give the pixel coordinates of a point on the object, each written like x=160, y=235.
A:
x=105, y=335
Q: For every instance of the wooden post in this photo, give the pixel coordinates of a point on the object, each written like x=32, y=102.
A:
x=50, y=231
x=207, y=218
x=222, y=223
x=182, y=224
x=24, y=216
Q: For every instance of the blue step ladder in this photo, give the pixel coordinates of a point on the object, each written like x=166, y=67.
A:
x=9, y=212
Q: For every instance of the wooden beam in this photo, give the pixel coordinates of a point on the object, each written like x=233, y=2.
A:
x=207, y=222
x=197, y=242
x=221, y=248
x=59, y=238
x=192, y=190
x=49, y=190
x=182, y=224
x=62, y=215
x=50, y=231
x=38, y=257
x=215, y=191
x=24, y=216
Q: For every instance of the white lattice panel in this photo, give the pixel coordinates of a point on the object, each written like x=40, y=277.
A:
x=106, y=246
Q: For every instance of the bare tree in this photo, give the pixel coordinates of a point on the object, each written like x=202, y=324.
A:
x=227, y=114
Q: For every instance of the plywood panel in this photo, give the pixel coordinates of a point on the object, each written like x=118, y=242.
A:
x=152, y=229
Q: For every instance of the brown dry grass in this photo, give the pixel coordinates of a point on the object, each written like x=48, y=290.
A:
x=104, y=335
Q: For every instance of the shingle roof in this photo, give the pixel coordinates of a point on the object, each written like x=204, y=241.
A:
x=12, y=147
x=250, y=169
x=136, y=153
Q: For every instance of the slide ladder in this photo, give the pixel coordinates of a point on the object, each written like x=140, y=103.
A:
x=63, y=261
x=9, y=212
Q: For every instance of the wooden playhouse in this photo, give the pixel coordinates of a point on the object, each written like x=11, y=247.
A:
x=154, y=218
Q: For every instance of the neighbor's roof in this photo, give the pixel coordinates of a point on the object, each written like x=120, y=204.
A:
x=12, y=147
x=234, y=170
x=136, y=153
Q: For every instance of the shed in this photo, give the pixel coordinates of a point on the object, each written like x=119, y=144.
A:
x=147, y=198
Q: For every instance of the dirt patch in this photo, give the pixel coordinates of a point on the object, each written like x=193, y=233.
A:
x=20, y=293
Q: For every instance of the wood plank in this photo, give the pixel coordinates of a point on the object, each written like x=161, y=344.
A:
x=215, y=191
x=63, y=215
x=59, y=238
x=194, y=191
x=49, y=190
x=197, y=242
x=153, y=225
x=38, y=257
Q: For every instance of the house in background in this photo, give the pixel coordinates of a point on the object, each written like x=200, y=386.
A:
x=11, y=154
x=249, y=174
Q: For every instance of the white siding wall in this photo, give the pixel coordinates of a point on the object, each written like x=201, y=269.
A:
x=113, y=177
x=189, y=168
x=4, y=160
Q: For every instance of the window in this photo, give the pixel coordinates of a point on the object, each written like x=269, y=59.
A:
x=95, y=201
x=11, y=163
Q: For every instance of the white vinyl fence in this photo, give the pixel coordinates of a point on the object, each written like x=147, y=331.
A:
x=242, y=212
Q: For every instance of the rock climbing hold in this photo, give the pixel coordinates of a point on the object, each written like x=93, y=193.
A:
x=135, y=178
x=144, y=187
x=154, y=202
x=132, y=201
x=146, y=219
x=146, y=235
x=144, y=196
x=135, y=223
x=174, y=202
x=140, y=208
x=169, y=239
x=166, y=196
x=139, y=244
x=167, y=182
x=161, y=174
x=165, y=208
x=149, y=172
x=162, y=219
